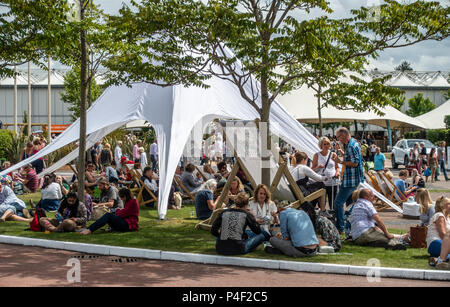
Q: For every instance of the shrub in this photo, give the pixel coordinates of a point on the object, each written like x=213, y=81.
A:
x=6, y=138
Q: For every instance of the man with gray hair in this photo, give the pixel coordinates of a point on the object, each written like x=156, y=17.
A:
x=367, y=227
x=353, y=171
x=204, y=200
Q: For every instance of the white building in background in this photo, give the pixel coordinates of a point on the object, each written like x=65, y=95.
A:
x=430, y=84
x=39, y=91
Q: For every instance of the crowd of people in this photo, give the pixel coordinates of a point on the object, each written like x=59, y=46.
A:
x=249, y=216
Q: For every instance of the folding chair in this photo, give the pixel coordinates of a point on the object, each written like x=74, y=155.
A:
x=140, y=190
x=399, y=196
x=187, y=193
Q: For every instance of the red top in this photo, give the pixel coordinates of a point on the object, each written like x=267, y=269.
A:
x=130, y=213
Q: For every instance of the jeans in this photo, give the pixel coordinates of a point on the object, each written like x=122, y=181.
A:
x=443, y=169
x=115, y=222
x=342, y=197
x=19, y=209
x=253, y=242
x=154, y=162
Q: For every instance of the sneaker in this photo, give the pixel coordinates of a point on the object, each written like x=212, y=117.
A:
x=272, y=250
x=443, y=266
x=432, y=261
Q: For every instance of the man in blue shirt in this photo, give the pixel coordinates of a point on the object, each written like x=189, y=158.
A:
x=378, y=160
x=353, y=174
x=297, y=238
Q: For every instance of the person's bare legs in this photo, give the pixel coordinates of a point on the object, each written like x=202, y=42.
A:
x=17, y=218
x=6, y=215
x=322, y=203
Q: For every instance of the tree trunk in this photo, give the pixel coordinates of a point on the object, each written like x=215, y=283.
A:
x=319, y=111
x=82, y=140
x=264, y=127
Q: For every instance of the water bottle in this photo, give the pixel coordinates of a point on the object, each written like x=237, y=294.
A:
x=192, y=214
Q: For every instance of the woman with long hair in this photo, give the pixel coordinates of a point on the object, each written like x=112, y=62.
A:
x=439, y=227
x=263, y=208
x=51, y=193
x=423, y=198
x=71, y=216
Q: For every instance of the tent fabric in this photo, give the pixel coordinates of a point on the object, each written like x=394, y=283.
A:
x=173, y=112
x=435, y=118
x=302, y=104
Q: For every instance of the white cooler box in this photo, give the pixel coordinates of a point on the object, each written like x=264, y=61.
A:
x=411, y=209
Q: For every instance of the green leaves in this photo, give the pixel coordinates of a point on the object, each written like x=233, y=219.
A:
x=419, y=105
x=28, y=29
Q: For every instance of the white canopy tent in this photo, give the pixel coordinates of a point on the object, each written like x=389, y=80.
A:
x=302, y=104
x=435, y=118
x=173, y=112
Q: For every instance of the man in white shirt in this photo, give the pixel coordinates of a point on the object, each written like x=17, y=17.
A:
x=118, y=154
x=154, y=155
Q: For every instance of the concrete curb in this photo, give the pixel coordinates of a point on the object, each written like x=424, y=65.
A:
x=234, y=261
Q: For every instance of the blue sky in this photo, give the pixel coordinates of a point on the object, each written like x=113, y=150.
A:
x=424, y=56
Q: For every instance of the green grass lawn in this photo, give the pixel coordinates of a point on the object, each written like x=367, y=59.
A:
x=177, y=233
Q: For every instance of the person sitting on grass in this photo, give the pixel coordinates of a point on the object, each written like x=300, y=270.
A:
x=87, y=200
x=400, y=183
x=111, y=173
x=204, y=200
x=71, y=215
x=91, y=176
x=439, y=228
x=423, y=198
x=52, y=193
x=297, y=237
x=11, y=207
x=123, y=220
x=263, y=208
x=417, y=180
x=236, y=187
x=29, y=179
x=326, y=231
x=367, y=228
x=109, y=195
x=229, y=229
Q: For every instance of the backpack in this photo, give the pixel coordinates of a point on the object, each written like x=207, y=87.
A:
x=34, y=224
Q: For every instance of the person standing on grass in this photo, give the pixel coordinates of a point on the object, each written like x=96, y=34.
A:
x=136, y=153
x=353, y=174
x=379, y=160
x=442, y=158
x=154, y=155
x=123, y=220
x=118, y=154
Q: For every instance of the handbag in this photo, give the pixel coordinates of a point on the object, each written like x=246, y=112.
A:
x=427, y=172
x=418, y=236
x=98, y=212
x=438, y=171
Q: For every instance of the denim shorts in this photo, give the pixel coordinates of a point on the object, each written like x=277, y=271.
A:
x=4, y=208
x=435, y=248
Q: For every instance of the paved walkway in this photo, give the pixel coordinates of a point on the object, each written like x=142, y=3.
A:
x=35, y=266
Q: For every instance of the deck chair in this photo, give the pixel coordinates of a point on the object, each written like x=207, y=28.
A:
x=141, y=188
x=186, y=193
x=397, y=197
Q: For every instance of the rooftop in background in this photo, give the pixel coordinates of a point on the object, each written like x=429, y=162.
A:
x=39, y=77
x=415, y=79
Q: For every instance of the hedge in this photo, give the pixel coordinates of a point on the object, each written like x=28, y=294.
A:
x=435, y=136
x=5, y=142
